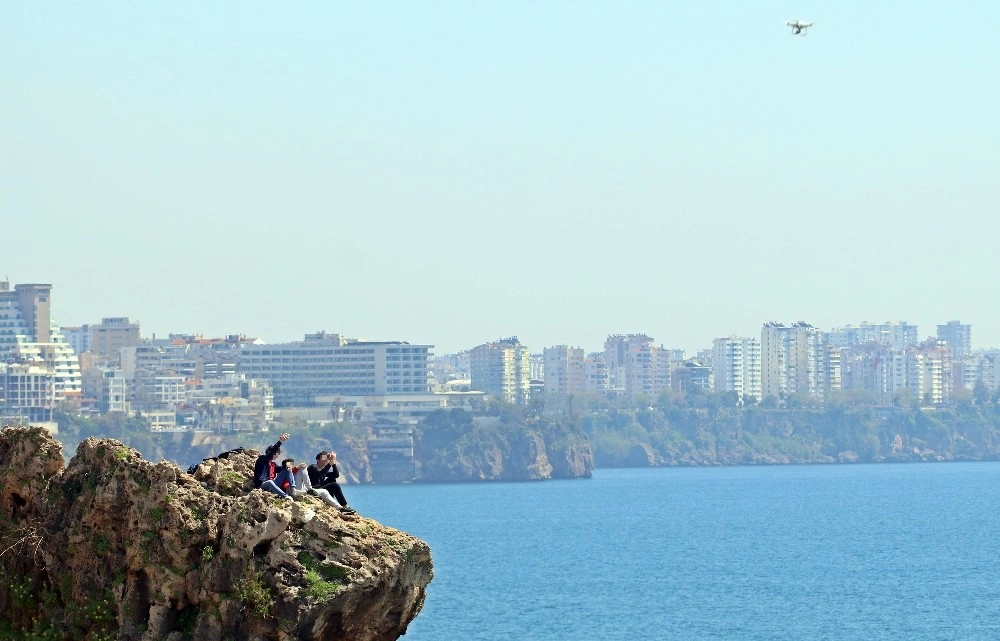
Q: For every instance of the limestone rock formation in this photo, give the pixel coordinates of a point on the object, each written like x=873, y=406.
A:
x=515, y=455
x=116, y=547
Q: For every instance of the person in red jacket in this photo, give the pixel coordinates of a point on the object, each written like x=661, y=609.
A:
x=265, y=469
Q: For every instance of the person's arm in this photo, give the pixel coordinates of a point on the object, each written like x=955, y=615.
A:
x=328, y=477
x=261, y=472
x=271, y=449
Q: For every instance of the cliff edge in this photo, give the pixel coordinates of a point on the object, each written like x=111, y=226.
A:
x=116, y=547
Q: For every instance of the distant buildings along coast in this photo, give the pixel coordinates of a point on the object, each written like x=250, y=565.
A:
x=236, y=383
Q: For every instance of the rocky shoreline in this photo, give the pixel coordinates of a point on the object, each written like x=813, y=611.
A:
x=115, y=547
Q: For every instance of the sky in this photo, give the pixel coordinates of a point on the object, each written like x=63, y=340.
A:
x=451, y=173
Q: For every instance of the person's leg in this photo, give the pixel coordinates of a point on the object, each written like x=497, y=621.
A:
x=326, y=498
x=271, y=486
x=337, y=492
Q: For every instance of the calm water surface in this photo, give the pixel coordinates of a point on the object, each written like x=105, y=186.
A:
x=784, y=552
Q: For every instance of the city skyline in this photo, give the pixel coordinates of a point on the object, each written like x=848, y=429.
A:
x=137, y=326
x=454, y=174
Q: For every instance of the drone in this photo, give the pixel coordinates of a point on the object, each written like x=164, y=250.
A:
x=799, y=27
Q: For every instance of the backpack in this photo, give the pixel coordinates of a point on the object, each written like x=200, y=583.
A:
x=226, y=454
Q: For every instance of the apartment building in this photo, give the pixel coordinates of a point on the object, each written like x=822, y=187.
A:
x=736, y=367
x=565, y=370
x=108, y=388
x=616, y=350
x=595, y=374
x=112, y=335
x=928, y=372
x=898, y=335
x=690, y=374
x=793, y=361
x=29, y=391
x=957, y=337
x=502, y=369
x=647, y=371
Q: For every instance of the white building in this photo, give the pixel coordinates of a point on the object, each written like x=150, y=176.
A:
x=736, y=366
x=27, y=334
x=502, y=369
x=28, y=390
x=793, y=361
x=595, y=374
x=928, y=373
x=329, y=364
x=108, y=387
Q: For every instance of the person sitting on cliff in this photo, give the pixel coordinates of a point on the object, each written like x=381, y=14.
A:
x=303, y=485
x=323, y=476
x=265, y=470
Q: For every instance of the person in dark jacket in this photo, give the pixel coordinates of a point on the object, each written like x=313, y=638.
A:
x=265, y=469
x=323, y=476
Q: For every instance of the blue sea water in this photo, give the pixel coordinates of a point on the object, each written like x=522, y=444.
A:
x=826, y=552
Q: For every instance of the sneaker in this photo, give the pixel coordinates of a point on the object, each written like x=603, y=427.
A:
x=348, y=510
x=289, y=497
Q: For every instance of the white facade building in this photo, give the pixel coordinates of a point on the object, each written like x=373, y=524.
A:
x=502, y=369
x=28, y=335
x=794, y=360
x=736, y=367
x=328, y=364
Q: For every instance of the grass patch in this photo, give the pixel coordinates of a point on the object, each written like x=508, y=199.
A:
x=252, y=592
x=317, y=588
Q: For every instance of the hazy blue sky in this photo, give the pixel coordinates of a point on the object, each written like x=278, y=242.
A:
x=454, y=172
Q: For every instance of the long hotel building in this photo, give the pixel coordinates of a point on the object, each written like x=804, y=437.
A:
x=330, y=365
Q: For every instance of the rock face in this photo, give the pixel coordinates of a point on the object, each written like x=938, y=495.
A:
x=115, y=547
x=521, y=455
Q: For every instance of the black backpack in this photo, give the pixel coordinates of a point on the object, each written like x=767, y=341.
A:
x=227, y=454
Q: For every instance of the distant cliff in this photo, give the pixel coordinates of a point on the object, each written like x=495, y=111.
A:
x=656, y=436
x=116, y=547
x=451, y=446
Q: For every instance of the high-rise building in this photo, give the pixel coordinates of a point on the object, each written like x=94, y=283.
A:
x=958, y=338
x=616, y=350
x=736, y=366
x=595, y=374
x=796, y=360
x=928, y=372
x=564, y=369
x=503, y=369
x=647, y=371
x=28, y=335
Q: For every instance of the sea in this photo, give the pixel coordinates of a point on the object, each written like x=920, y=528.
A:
x=835, y=552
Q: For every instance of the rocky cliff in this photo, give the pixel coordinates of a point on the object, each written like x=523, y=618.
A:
x=116, y=547
x=508, y=455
